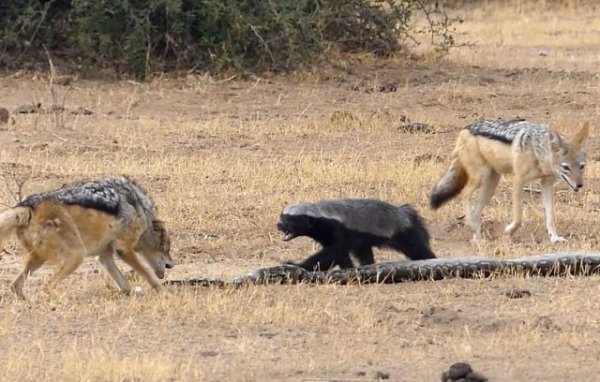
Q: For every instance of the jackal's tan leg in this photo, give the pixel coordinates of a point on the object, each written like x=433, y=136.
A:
x=131, y=258
x=32, y=264
x=74, y=258
x=473, y=185
x=517, y=201
x=107, y=260
x=548, y=202
x=489, y=184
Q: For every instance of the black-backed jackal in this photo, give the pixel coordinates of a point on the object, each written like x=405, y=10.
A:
x=486, y=150
x=95, y=218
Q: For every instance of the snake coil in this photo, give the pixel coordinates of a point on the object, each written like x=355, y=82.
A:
x=550, y=264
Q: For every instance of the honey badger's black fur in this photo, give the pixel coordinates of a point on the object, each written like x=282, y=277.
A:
x=355, y=226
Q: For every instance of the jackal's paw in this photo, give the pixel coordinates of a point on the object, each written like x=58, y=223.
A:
x=557, y=239
x=18, y=292
x=19, y=296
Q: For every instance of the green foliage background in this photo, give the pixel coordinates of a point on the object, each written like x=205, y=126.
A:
x=141, y=36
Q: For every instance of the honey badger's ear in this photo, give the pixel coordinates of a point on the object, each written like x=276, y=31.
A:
x=580, y=136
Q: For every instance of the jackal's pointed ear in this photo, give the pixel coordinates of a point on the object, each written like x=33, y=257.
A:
x=163, y=235
x=556, y=142
x=580, y=136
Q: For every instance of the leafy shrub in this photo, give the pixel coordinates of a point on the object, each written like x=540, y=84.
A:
x=140, y=36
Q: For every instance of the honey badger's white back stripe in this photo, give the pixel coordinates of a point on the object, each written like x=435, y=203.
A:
x=364, y=215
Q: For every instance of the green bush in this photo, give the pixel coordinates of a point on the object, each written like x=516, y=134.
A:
x=141, y=36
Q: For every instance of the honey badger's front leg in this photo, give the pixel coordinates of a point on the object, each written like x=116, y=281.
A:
x=328, y=257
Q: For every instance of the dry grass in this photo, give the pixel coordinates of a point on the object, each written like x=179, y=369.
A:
x=222, y=159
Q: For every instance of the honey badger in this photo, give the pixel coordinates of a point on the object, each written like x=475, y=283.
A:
x=355, y=226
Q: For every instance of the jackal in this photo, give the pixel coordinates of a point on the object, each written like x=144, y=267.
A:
x=95, y=218
x=487, y=149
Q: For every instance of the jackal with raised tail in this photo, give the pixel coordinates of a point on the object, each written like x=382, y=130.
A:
x=485, y=150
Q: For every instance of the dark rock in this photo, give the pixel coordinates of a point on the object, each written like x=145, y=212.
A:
x=459, y=370
x=518, y=293
x=388, y=87
x=462, y=372
x=380, y=375
x=417, y=127
x=475, y=377
x=82, y=111
x=29, y=109
x=4, y=115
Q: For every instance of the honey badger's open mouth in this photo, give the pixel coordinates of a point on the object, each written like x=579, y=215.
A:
x=287, y=235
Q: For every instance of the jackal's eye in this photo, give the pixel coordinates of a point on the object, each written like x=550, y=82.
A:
x=581, y=166
x=565, y=167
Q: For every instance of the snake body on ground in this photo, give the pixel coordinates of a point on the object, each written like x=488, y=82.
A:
x=549, y=264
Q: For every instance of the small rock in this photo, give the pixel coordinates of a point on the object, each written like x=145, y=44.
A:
x=462, y=372
x=342, y=116
x=57, y=109
x=459, y=370
x=4, y=115
x=518, y=293
x=63, y=80
x=475, y=377
x=545, y=323
x=361, y=373
x=427, y=157
x=392, y=309
x=29, y=109
x=417, y=128
x=380, y=375
x=439, y=315
x=388, y=87
x=82, y=111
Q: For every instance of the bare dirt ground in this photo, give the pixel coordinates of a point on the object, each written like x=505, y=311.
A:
x=222, y=158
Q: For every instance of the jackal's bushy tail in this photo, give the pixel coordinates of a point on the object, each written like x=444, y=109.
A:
x=12, y=219
x=449, y=185
x=413, y=241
